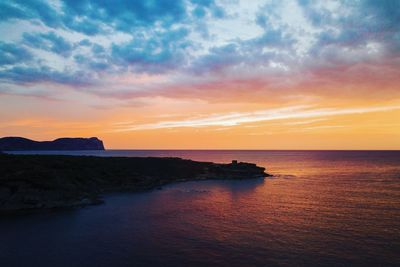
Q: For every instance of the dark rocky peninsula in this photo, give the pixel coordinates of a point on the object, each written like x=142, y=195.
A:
x=20, y=144
x=48, y=181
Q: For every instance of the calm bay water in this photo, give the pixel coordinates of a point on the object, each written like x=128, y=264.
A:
x=322, y=208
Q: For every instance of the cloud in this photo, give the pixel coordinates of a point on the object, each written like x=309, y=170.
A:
x=218, y=58
x=239, y=118
x=199, y=12
x=30, y=10
x=206, y=49
x=48, y=41
x=354, y=24
x=121, y=15
x=85, y=42
x=97, y=49
x=11, y=54
x=273, y=38
x=26, y=75
x=92, y=17
x=164, y=51
x=202, y=5
x=305, y=122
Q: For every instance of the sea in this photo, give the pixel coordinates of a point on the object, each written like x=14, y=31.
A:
x=320, y=208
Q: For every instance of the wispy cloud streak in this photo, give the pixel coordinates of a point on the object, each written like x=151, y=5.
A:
x=239, y=118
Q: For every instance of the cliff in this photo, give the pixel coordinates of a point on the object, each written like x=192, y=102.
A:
x=43, y=181
x=20, y=143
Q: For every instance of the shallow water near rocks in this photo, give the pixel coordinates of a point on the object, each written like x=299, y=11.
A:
x=321, y=208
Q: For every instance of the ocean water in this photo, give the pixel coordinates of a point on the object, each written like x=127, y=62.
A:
x=321, y=208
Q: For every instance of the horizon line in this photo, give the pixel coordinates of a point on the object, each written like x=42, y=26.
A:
x=233, y=149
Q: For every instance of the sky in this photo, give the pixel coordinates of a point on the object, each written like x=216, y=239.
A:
x=211, y=74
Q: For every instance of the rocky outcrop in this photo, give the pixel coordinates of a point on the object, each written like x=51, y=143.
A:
x=49, y=181
x=20, y=143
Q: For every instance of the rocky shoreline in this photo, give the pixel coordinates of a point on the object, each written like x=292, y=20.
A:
x=32, y=182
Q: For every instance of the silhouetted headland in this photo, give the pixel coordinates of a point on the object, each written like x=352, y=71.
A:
x=21, y=144
x=53, y=181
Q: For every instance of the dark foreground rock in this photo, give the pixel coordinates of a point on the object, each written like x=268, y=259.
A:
x=49, y=181
x=20, y=143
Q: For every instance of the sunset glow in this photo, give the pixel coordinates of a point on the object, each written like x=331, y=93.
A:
x=203, y=74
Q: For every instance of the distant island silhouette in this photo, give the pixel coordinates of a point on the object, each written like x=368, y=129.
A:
x=24, y=144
